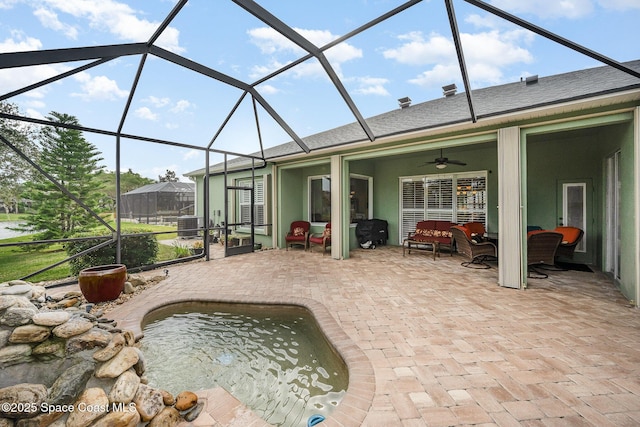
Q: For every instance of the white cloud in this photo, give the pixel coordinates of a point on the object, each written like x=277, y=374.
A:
x=98, y=88
x=192, y=154
x=181, y=106
x=371, y=86
x=14, y=78
x=486, y=55
x=118, y=19
x=157, y=102
x=49, y=19
x=146, y=114
x=268, y=89
x=34, y=114
x=282, y=51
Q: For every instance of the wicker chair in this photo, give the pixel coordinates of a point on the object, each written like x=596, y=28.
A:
x=477, y=253
x=541, y=252
x=298, y=234
x=571, y=237
x=321, y=239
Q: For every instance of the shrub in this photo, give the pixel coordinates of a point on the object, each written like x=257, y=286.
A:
x=136, y=251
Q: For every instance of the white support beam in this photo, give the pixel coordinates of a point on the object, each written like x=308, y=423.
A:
x=336, y=208
x=510, y=268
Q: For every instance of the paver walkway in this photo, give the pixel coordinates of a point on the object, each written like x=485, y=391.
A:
x=431, y=343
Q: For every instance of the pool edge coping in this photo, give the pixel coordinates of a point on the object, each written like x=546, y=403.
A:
x=358, y=398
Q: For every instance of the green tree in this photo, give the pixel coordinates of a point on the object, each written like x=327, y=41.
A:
x=72, y=161
x=129, y=180
x=169, y=176
x=14, y=170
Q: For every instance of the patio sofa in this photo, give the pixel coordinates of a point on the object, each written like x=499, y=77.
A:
x=427, y=233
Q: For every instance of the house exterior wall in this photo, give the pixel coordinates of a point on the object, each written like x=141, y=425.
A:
x=558, y=148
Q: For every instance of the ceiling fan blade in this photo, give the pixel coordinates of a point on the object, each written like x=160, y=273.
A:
x=457, y=162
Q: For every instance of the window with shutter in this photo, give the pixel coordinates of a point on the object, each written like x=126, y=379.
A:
x=244, y=203
x=458, y=198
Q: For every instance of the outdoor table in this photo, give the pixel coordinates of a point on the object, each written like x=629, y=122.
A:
x=435, y=246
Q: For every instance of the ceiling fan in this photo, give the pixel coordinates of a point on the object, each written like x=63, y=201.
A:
x=442, y=162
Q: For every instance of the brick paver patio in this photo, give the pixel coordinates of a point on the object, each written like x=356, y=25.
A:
x=431, y=343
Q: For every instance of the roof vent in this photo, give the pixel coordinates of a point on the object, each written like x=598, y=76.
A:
x=449, y=90
x=404, y=102
x=531, y=80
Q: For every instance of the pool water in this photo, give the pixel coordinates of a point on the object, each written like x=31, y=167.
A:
x=272, y=358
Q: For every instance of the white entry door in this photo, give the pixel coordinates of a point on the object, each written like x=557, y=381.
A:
x=575, y=211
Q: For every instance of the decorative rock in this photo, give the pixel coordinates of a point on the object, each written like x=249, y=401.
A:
x=113, y=347
x=125, y=387
x=129, y=338
x=6, y=301
x=136, y=280
x=194, y=413
x=17, y=316
x=49, y=347
x=91, y=405
x=4, y=338
x=75, y=326
x=51, y=318
x=168, y=398
x=46, y=419
x=18, y=282
x=29, y=334
x=67, y=303
x=126, y=418
x=29, y=396
x=72, y=294
x=167, y=417
x=70, y=384
x=38, y=293
x=91, y=339
x=140, y=366
x=128, y=288
x=186, y=400
x=24, y=290
x=148, y=402
x=125, y=359
x=14, y=354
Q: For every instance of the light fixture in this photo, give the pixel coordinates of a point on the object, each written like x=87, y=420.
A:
x=441, y=165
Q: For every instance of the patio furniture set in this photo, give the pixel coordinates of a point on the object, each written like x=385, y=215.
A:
x=472, y=241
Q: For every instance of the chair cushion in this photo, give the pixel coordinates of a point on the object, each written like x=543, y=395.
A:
x=298, y=231
x=569, y=234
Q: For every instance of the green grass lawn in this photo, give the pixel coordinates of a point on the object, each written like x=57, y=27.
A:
x=16, y=263
x=4, y=217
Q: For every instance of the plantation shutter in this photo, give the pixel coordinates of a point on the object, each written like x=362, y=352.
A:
x=471, y=199
x=458, y=198
x=412, y=205
x=439, y=198
x=244, y=202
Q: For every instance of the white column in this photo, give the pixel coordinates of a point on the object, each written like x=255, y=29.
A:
x=509, y=208
x=336, y=208
x=636, y=176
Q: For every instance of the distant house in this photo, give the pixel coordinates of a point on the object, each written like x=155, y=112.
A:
x=546, y=151
x=160, y=202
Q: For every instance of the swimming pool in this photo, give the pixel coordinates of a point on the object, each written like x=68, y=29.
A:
x=273, y=358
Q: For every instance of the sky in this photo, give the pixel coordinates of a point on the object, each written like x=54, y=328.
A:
x=411, y=54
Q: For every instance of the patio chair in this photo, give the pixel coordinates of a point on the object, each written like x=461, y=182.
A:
x=298, y=234
x=477, y=253
x=477, y=230
x=541, y=252
x=321, y=239
x=571, y=237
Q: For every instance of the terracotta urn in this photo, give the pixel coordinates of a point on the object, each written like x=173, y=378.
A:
x=103, y=282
